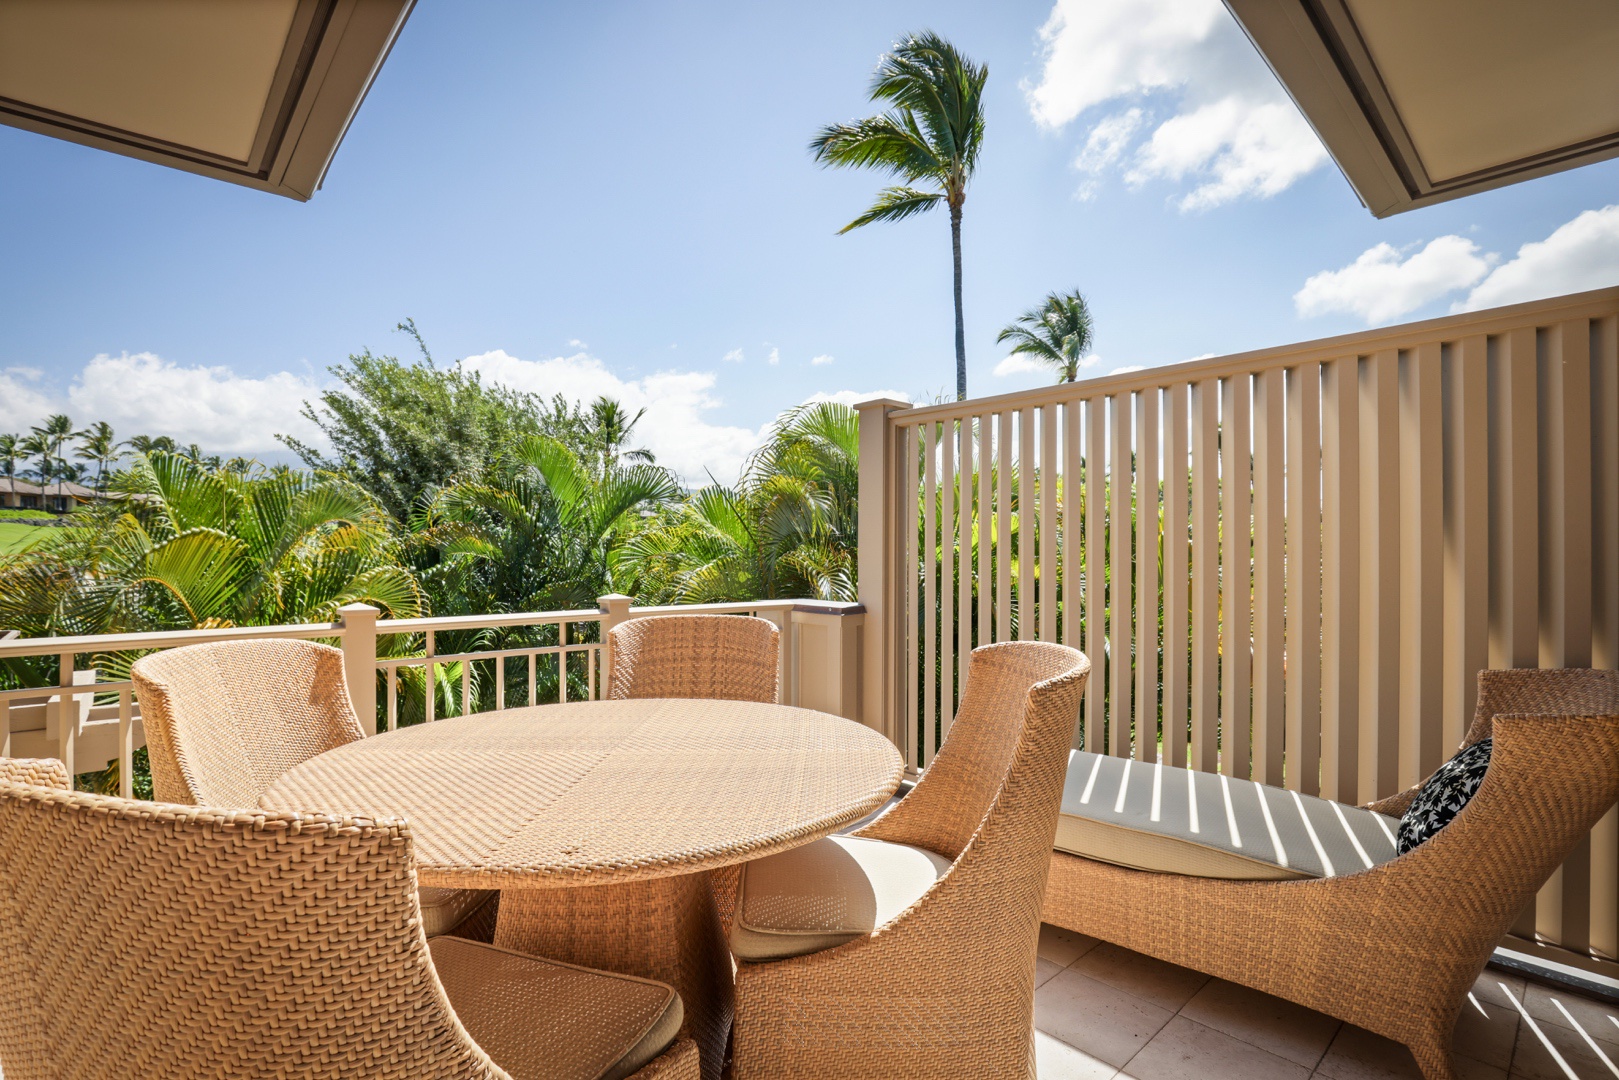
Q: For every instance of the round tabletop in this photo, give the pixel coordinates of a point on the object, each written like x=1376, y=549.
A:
x=603, y=791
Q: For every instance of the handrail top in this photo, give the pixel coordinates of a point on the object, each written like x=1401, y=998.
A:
x=1361, y=342
x=159, y=639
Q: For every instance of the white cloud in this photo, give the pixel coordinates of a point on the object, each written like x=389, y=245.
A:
x=1018, y=364
x=1380, y=285
x=734, y=357
x=1581, y=254
x=674, y=428
x=1104, y=146
x=224, y=413
x=1024, y=364
x=1231, y=130
x=774, y=358
x=575, y=343
x=1126, y=369
x=855, y=397
x=25, y=404
x=820, y=361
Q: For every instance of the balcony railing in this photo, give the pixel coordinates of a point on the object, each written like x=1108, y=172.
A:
x=89, y=723
x=1286, y=565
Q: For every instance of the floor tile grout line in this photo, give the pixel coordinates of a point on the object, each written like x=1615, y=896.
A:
x=1541, y=1035
x=1589, y=1041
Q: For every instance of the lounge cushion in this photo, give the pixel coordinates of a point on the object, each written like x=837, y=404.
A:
x=1149, y=816
x=824, y=894
x=445, y=909
x=544, y=1019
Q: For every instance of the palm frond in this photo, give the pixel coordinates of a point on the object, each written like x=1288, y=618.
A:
x=895, y=204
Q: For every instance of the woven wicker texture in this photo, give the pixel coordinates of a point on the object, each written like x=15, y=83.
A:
x=1396, y=948
x=946, y=989
x=225, y=719
x=603, y=791
x=726, y=657
x=38, y=772
x=250, y=944
x=664, y=928
x=606, y=1026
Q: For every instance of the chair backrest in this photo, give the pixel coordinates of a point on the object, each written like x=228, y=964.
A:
x=154, y=940
x=1541, y=692
x=225, y=720
x=723, y=657
x=37, y=772
x=1018, y=713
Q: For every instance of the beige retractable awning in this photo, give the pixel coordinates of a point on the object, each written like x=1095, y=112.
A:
x=257, y=92
x=1420, y=101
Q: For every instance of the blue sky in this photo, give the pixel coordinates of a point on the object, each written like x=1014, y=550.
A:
x=617, y=198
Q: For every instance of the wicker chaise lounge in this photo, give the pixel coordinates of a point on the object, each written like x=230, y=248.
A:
x=1395, y=947
x=160, y=941
x=719, y=657
x=935, y=973
x=224, y=720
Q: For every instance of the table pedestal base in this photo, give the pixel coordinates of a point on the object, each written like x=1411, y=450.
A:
x=664, y=928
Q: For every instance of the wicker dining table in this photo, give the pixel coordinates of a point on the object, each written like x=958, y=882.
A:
x=601, y=821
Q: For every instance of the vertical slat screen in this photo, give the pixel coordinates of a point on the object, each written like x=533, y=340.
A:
x=1290, y=566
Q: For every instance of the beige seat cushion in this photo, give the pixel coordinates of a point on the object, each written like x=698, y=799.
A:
x=544, y=1020
x=823, y=894
x=445, y=909
x=1149, y=816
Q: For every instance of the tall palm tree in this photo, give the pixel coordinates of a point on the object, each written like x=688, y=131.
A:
x=10, y=454
x=1058, y=333
x=145, y=444
x=98, y=444
x=56, y=431
x=610, y=428
x=35, y=446
x=932, y=135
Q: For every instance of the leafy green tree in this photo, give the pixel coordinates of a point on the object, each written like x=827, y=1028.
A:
x=402, y=430
x=1058, y=333
x=207, y=547
x=932, y=135
x=786, y=529
x=537, y=534
x=99, y=446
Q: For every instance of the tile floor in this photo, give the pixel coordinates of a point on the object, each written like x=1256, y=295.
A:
x=1102, y=1012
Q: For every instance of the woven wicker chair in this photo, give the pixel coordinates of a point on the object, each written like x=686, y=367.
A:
x=724, y=657
x=1396, y=948
x=154, y=940
x=947, y=987
x=225, y=720
x=37, y=772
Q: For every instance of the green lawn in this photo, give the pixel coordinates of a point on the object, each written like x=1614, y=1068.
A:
x=14, y=537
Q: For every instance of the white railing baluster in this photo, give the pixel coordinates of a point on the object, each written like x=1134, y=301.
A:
x=126, y=746
x=432, y=680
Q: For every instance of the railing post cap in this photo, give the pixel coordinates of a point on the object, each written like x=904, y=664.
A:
x=360, y=611
x=613, y=600
x=881, y=403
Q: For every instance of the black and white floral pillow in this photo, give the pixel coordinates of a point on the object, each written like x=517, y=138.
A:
x=1444, y=795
